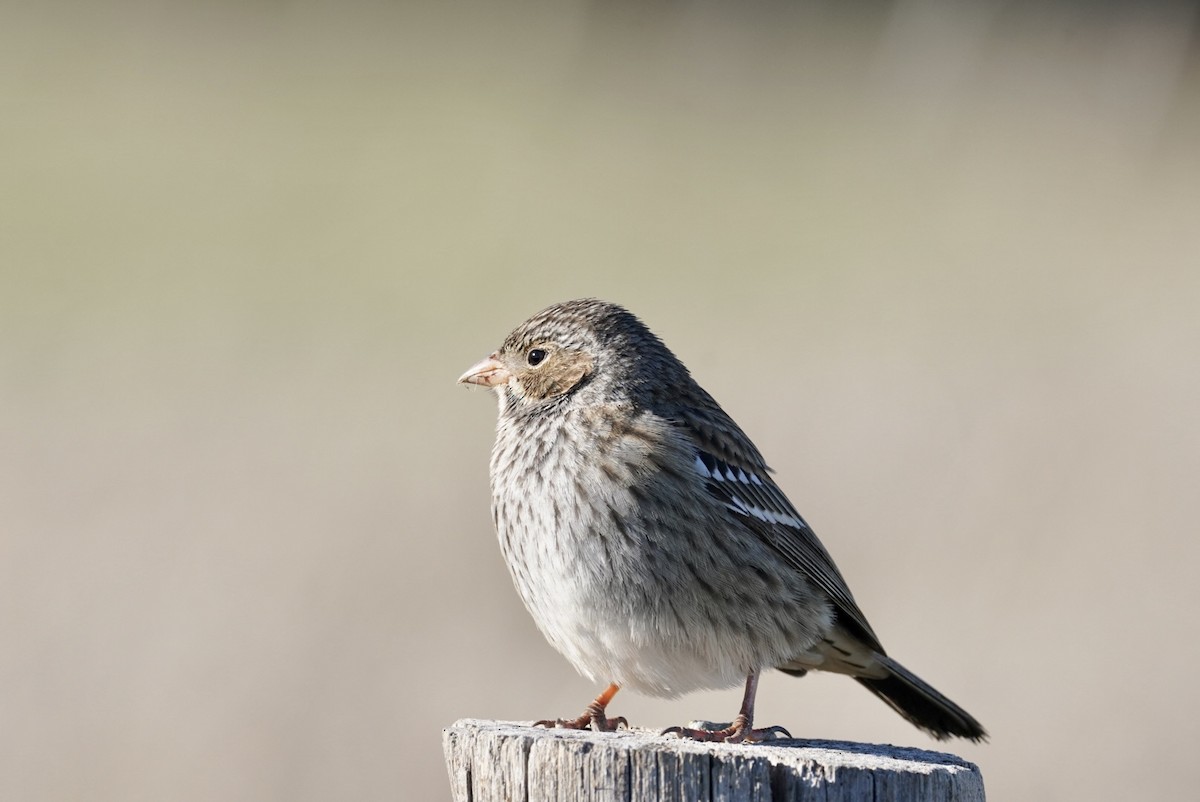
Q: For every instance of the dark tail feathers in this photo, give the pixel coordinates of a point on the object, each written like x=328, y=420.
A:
x=917, y=701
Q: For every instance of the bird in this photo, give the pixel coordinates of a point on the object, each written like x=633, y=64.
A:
x=646, y=536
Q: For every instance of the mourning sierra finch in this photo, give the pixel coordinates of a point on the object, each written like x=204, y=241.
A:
x=647, y=538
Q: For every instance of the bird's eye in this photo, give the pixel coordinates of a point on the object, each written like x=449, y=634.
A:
x=535, y=357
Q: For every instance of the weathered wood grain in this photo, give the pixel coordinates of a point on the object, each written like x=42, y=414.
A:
x=494, y=761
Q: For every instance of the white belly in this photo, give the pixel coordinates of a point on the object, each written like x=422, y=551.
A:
x=632, y=604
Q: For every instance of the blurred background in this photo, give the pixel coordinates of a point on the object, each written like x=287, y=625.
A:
x=941, y=262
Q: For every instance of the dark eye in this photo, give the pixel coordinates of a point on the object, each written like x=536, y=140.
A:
x=535, y=357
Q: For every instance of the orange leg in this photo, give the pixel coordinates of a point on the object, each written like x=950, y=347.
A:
x=593, y=714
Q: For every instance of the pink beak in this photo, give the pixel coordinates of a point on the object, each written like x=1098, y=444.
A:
x=487, y=373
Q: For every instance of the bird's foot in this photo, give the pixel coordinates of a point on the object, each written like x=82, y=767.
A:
x=740, y=731
x=593, y=716
x=599, y=723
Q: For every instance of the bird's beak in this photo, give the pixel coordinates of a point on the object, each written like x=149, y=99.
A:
x=487, y=373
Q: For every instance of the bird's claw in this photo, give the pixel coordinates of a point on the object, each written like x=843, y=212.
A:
x=597, y=723
x=736, y=733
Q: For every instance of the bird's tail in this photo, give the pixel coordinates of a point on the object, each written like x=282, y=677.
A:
x=922, y=705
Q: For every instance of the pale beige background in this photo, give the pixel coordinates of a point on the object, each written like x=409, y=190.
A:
x=942, y=264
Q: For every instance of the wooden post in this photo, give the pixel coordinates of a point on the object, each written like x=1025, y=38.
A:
x=497, y=760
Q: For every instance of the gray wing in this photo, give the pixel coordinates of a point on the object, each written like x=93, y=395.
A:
x=738, y=477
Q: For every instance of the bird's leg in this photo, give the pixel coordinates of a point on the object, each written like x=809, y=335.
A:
x=742, y=728
x=593, y=714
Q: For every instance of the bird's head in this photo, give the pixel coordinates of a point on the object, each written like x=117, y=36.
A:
x=567, y=347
